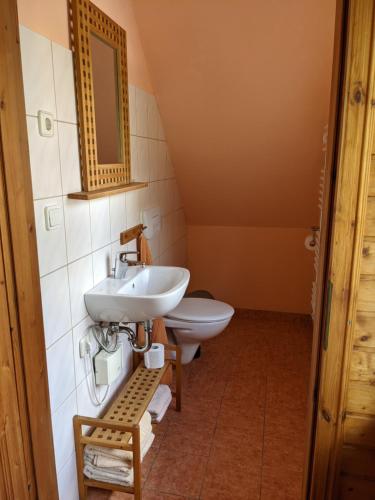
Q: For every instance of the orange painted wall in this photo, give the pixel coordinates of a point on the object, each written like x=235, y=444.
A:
x=252, y=267
x=50, y=18
x=243, y=87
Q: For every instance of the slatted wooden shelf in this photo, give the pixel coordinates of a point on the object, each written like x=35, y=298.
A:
x=121, y=422
x=131, y=403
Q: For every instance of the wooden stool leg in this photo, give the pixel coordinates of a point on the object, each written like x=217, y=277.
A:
x=178, y=379
x=137, y=463
x=82, y=488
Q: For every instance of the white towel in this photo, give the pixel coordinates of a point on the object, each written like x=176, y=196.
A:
x=160, y=402
x=157, y=418
x=109, y=457
x=99, y=474
x=119, y=474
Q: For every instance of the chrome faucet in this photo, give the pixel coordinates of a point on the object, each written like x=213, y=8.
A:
x=122, y=264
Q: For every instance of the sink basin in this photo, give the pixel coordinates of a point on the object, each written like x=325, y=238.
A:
x=145, y=293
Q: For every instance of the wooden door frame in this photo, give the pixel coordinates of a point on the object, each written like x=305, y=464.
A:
x=355, y=129
x=21, y=258
x=325, y=234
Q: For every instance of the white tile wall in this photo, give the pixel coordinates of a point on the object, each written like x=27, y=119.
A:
x=80, y=253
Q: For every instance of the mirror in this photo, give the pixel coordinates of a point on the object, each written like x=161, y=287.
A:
x=100, y=64
x=106, y=99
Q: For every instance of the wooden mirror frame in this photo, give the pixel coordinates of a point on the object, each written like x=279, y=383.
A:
x=98, y=179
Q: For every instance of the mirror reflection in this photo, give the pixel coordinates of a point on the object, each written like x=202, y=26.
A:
x=106, y=99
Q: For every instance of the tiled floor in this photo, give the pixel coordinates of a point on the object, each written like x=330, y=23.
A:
x=241, y=433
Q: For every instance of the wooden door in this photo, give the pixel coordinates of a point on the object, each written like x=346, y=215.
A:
x=15, y=478
x=26, y=448
x=343, y=463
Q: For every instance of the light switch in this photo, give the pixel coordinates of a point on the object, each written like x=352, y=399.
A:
x=53, y=217
x=45, y=124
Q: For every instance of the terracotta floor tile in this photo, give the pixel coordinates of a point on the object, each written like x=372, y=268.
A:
x=193, y=438
x=155, y=495
x=231, y=445
x=196, y=409
x=285, y=478
x=229, y=480
x=159, y=431
x=241, y=432
x=242, y=414
x=177, y=473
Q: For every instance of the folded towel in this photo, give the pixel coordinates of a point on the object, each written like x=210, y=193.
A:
x=160, y=402
x=122, y=474
x=104, y=457
x=157, y=418
x=99, y=474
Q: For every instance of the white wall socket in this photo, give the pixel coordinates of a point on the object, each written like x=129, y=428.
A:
x=45, y=124
x=84, y=346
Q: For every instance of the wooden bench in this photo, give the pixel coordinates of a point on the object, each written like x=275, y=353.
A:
x=121, y=422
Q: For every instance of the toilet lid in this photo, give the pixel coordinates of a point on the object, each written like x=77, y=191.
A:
x=201, y=310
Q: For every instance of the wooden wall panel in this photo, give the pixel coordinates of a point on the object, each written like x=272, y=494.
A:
x=363, y=366
x=370, y=217
x=358, y=462
x=368, y=256
x=366, y=294
x=371, y=190
x=359, y=431
x=356, y=489
x=361, y=398
x=364, y=331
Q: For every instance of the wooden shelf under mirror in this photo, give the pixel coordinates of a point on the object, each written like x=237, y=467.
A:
x=100, y=193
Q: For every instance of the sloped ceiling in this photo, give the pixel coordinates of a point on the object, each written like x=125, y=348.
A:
x=243, y=90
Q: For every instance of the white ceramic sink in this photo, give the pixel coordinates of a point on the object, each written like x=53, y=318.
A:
x=145, y=293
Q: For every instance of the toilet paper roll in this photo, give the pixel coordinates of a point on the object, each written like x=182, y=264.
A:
x=154, y=357
x=310, y=243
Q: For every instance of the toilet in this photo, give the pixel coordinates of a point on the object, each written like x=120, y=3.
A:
x=195, y=320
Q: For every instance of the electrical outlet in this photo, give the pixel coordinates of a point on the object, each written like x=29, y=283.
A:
x=84, y=346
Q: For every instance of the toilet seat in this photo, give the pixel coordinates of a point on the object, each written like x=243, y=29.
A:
x=195, y=310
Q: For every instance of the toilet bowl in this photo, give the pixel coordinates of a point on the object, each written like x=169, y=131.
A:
x=195, y=320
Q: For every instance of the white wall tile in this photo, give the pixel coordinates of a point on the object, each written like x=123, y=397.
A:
x=132, y=208
x=133, y=158
x=63, y=435
x=160, y=133
x=51, y=244
x=153, y=117
x=56, y=305
x=67, y=481
x=158, y=155
x=85, y=405
x=60, y=363
x=80, y=331
x=169, y=170
x=44, y=161
x=141, y=103
x=77, y=228
x=132, y=110
x=143, y=159
x=36, y=55
x=64, y=83
x=72, y=263
x=117, y=211
x=100, y=223
x=69, y=157
x=80, y=281
x=101, y=263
